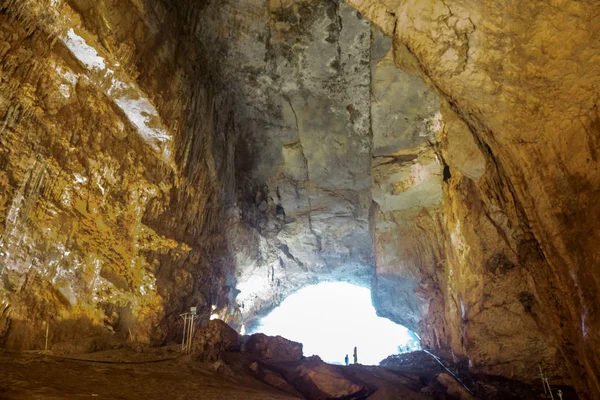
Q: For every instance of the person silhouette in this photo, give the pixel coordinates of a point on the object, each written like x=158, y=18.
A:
x=346, y=359
x=355, y=356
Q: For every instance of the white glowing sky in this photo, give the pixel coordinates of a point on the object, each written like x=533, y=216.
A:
x=331, y=318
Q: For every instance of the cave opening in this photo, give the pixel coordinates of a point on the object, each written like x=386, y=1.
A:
x=331, y=318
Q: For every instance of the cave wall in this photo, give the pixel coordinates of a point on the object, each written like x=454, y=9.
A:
x=300, y=73
x=329, y=186
x=406, y=189
x=522, y=81
x=115, y=164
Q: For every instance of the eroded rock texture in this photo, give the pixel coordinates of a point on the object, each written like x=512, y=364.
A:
x=302, y=161
x=520, y=81
x=158, y=155
x=326, y=179
x=114, y=161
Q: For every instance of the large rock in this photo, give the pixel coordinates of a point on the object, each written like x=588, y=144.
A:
x=414, y=362
x=214, y=338
x=318, y=380
x=455, y=388
x=303, y=155
x=462, y=186
x=272, y=378
x=274, y=348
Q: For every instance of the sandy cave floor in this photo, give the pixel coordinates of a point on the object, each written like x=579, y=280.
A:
x=38, y=376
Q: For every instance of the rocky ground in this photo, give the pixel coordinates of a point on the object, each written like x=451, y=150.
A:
x=35, y=376
x=226, y=366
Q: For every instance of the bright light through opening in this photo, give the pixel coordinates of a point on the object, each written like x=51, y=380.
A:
x=331, y=318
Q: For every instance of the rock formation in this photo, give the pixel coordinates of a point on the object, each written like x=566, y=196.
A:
x=213, y=339
x=115, y=161
x=274, y=348
x=518, y=81
x=223, y=154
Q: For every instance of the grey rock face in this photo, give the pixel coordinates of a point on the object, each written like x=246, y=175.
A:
x=302, y=74
x=321, y=167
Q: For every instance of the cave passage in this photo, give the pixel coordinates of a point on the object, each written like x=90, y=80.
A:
x=330, y=318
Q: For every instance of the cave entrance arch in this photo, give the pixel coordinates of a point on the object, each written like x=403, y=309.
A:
x=330, y=318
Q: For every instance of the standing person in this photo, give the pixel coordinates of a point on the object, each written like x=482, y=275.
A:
x=346, y=359
x=355, y=356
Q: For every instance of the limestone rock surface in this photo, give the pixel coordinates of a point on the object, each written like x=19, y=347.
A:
x=214, y=338
x=324, y=381
x=515, y=80
x=274, y=348
x=272, y=378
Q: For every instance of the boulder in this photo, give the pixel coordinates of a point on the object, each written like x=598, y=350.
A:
x=416, y=362
x=272, y=378
x=213, y=339
x=455, y=389
x=318, y=380
x=222, y=367
x=274, y=348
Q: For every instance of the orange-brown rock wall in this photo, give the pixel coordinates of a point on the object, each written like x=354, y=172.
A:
x=523, y=78
x=113, y=172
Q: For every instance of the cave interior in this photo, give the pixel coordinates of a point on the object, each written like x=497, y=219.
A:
x=173, y=172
